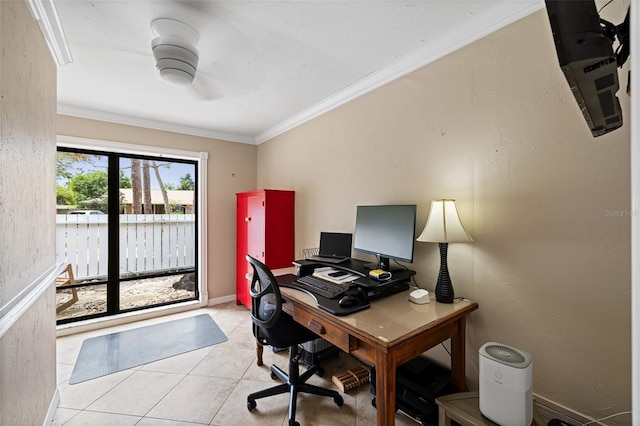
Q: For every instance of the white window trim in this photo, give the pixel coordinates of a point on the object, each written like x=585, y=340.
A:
x=134, y=149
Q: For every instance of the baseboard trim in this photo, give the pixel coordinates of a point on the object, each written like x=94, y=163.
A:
x=221, y=300
x=551, y=410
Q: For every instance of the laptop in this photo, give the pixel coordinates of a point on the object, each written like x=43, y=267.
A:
x=335, y=247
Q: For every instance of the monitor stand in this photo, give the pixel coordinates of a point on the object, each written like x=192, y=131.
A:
x=383, y=264
x=386, y=290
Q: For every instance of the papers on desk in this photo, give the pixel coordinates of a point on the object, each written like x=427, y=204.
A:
x=334, y=275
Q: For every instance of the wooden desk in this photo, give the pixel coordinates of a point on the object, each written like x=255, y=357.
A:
x=391, y=332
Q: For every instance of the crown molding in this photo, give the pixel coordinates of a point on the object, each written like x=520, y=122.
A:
x=493, y=19
x=151, y=124
x=482, y=25
x=46, y=15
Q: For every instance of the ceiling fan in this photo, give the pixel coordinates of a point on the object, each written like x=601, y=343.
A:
x=174, y=49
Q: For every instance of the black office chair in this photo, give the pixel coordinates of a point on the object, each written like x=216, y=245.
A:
x=272, y=326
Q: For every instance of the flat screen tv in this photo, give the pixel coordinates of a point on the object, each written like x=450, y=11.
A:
x=387, y=231
x=584, y=46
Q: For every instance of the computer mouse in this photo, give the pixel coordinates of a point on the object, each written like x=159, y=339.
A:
x=348, y=300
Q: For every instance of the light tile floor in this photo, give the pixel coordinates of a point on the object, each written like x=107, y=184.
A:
x=203, y=387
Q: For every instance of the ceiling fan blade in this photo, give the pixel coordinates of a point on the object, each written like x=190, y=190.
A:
x=203, y=89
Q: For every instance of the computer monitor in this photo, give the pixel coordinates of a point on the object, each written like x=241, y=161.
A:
x=387, y=231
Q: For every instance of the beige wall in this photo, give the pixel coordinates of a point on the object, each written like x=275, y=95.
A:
x=231, y=169
x=27, y=210
x=493, y=125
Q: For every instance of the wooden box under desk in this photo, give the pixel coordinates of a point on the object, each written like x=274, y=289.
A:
x=391, y=332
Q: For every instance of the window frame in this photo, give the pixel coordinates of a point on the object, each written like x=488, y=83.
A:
x=129, y=149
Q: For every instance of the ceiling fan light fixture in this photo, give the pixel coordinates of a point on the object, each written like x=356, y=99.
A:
x=176, y=76
x=174, y=58
x=174, y=50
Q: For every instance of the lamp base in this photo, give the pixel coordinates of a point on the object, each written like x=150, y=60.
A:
x=444, y=288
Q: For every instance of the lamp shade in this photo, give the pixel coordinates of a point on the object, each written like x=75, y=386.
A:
x=443, y=224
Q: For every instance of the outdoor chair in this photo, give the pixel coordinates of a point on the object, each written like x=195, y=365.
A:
x=64, y=282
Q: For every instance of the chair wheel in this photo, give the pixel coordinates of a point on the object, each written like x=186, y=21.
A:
x=293, y=423
x=273, y=375
x=373, y=402
x=320, y=372
x=338, y=400
x=251, y=404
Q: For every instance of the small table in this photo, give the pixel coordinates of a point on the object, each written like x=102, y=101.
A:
x=464, y=409
x=391, y=332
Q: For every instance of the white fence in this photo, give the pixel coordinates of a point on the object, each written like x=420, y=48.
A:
x=148, y=242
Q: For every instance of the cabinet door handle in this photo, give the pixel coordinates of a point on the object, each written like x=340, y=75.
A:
x=248, y=276
x=247, y=219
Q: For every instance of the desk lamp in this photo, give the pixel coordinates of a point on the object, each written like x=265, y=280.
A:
x=444, y=227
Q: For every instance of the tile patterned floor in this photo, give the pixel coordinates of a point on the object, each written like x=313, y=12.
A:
x=208, y=386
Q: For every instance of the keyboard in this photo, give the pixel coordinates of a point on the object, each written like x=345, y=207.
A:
x=319, y=286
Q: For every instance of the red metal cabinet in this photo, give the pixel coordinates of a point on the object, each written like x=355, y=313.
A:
x=264, y=230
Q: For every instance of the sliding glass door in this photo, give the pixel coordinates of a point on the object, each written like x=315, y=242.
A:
x=157, y=232
x=127, y=225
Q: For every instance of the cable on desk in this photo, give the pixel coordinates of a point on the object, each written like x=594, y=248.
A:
x=415, y=283
x=399, y=264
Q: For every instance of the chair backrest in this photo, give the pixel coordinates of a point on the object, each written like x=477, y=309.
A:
x=266, y=301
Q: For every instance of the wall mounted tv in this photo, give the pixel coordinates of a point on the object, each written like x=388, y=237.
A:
x=584, y=45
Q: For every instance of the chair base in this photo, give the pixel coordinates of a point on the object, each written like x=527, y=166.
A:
x=294, y=383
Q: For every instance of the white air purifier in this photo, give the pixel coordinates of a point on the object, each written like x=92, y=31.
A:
x=506, y=385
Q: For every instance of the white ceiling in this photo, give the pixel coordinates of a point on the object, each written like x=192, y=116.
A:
x=265, y=66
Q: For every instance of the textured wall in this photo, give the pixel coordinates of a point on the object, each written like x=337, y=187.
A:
x=231, y=169
x=27, y=211
x=493, y=125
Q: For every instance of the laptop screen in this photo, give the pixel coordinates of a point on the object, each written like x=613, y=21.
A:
x=335, y=244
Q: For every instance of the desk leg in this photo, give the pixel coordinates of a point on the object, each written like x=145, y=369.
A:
x=458, y=357
x=385, y=390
